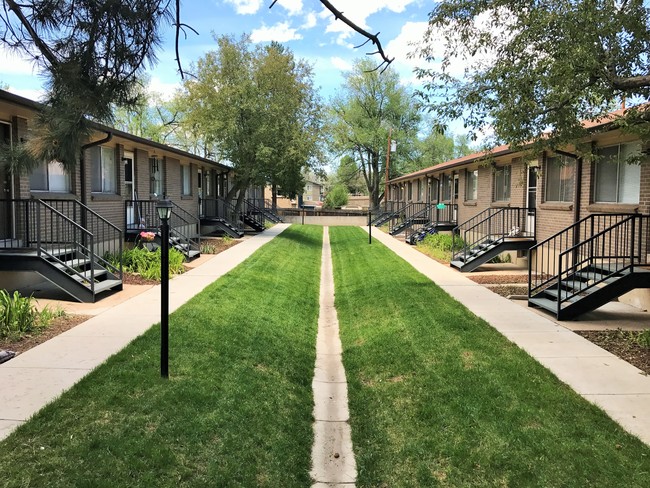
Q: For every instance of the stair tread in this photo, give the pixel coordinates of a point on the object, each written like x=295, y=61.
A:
x=106, y=285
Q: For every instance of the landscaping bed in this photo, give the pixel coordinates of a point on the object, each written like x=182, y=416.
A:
x=56, y=327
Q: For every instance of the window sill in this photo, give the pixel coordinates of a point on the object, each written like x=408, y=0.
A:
x=470, y=203
x=614, y=207
x=105, y=197
x=187, y=197
x=564, y=206
x=52, y=195
x=502, y=204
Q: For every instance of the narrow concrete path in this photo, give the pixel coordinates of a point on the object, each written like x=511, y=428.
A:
x=333, y=461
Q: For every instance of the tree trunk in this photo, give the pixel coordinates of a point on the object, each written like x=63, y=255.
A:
x=274, y=197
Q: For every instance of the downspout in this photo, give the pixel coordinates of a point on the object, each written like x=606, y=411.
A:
x=82, y=166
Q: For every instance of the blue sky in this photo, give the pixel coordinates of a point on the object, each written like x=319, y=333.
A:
x=303, y=25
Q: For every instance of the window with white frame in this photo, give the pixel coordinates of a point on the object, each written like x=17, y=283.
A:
x=186, y=180
x=616, y=180
x=156, y=173
x=50, y=177
x=502, y=183
x=471, y=184
x=104, y=170
x=421, y=186
x=560, y=179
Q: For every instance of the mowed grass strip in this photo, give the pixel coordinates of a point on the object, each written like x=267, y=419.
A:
x=439, y=398
x=236, y=411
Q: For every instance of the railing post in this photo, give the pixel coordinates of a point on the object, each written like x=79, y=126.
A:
x=559, y=280
x=632, y=242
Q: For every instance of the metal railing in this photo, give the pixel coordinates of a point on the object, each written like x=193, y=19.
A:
x=253, y=214
x=608, y=243
x=183, y=226
x=393, y=208
x=408, y=214
x=66, y=232
x=492, y=225
x=440, y=216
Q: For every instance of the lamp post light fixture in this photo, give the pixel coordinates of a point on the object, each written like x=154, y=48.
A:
x=164, y=208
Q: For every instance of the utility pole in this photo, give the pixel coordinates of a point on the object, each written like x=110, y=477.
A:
x=390, y=133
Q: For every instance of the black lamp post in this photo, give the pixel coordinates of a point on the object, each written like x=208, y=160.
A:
x=164, y=208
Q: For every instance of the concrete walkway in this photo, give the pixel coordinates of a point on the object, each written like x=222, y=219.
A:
x=617, y=387
x=32, y=379
x=333, y=461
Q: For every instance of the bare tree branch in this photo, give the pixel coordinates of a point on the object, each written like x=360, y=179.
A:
x=374, y=38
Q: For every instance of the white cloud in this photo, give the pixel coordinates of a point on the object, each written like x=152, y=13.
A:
x=310, y=21
x=341, y=64
x=159, y=87
x=293, y=7
x=36, y=95
x=245, y=7
x=280, y=32
x=14, y=64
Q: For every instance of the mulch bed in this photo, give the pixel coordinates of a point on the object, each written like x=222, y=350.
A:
x=56, y=327
x=622, y=344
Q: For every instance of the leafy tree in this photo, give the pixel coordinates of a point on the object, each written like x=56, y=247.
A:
x=337, y=197
x=537, y=66
x=368, y=106
x=348, y=174
x=259, y=108
x=437, y=148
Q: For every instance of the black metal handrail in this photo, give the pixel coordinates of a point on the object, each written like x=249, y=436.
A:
x=107, y=238
x=260, y=208
x=492, y=225
x=68, y=233
x=542, y=262
x=185, y=227
x=253, y=212
x=440, y=215
x=228, y=212
x=393, y=210
x=414, y=210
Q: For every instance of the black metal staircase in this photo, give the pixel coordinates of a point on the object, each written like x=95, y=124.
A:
x=488, y=234
x=220, y=217
x=264, y=208
x=393, y=209
x=252, y=216
x=414, y=214
x=66, y=243
x=589, y=263
x=443, y=218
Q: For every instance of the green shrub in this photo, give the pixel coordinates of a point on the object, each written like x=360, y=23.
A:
x=337, y=197
x=439, y=246
x=643, y=339
x=20, y=317
x=147, y=263
x=17, y=314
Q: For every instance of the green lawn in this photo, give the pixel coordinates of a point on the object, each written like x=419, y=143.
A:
x=237, y=410
x=439, y=398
